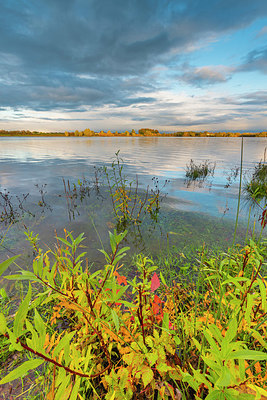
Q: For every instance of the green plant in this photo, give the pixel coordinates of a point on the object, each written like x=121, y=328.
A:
x=199, y=171
x=129, y=205
x=99, y=335
x=255, y=188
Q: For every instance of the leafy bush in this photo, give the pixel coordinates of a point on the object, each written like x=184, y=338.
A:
x=100, y=336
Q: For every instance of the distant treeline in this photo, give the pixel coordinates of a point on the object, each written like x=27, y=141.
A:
x=141, y=132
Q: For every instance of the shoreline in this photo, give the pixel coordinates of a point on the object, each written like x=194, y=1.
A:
x=159, y=135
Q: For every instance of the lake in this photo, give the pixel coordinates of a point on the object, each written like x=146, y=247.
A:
x=33, y=169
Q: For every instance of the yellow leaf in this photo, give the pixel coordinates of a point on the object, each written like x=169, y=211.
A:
x=147, y=375
x=113, y=396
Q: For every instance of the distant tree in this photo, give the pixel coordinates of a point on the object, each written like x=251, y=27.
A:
x=88, y=132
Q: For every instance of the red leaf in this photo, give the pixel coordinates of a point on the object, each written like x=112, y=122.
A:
x=157, y=299
x=263, y=218
x=155, y=308
x=155, y=282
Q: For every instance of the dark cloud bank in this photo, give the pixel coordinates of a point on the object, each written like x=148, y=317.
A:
x=71, y=55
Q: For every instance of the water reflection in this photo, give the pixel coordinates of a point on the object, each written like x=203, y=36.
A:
x=25, y=162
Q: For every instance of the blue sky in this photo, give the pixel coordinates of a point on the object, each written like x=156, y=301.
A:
x=123, y=64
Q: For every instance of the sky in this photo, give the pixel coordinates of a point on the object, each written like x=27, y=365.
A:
x=170, y=65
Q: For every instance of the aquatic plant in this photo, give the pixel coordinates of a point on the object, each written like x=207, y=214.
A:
x=129, y=203
x=198, y=172
x=256, y=188
x=12, y=209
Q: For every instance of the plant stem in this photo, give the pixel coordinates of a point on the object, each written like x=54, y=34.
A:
x=239, y=192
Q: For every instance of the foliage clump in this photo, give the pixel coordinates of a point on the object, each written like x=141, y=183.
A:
x=103, y=336
x=256, y=188
x=199, y=171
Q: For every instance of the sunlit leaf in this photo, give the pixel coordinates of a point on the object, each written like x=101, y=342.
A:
x=155, y=282
x=21, y=370
x=5, y=264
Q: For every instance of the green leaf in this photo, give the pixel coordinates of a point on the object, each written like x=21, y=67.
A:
x=107, y=257
x=215, y=395
x=231, y=331
x=128, y=304
x=61, y=344
x=122, y=250
x=34, y=341
x=242, y=374
x=68, y=244
x=13, y=341
x=225, y=378
x=248, y=313
x=147, y=375
x=75, y=389
x=115, y=320
x=40, y=327
x=112, y=242
x=22, y=313
x=2, y=324
x=21, y=370
x=212, y=343
x=63, y=385
x=3, y=294
x=162, y=279
x=165, y=322
x=24, y=276
x=263, y=294
x=248, y=355
x=5, y=264
x=152, y=358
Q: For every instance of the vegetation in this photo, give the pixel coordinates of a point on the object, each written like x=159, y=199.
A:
x=141, y=132
x=199, y=171
x=129, y=205
x=163, y=328
x=106, y=337
x=255, y=190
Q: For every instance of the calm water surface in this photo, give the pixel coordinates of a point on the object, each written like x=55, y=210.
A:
x=27, y=162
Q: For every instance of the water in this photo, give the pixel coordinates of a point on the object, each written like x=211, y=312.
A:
x=191, y=213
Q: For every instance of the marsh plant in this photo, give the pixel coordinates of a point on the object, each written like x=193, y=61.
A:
x=199, y=172
x=12, y=208
x=130, y=204
x=99, y=335
x=255, y=190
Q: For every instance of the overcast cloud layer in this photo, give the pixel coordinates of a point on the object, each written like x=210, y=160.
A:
x=101, y=64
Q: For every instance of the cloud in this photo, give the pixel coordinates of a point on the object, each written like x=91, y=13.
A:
x=206, y=75
x=256, y=60
x=98, y=56
x=262, y=32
